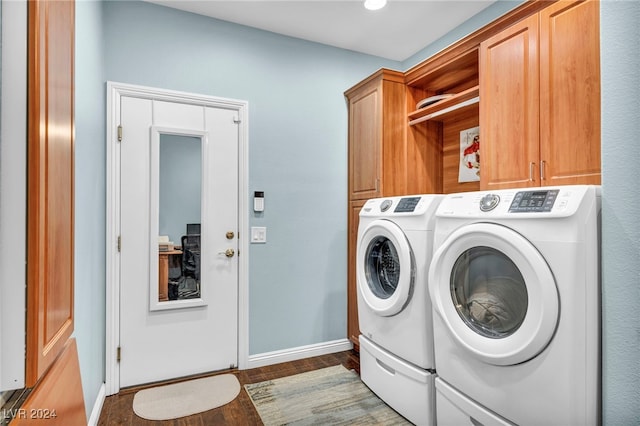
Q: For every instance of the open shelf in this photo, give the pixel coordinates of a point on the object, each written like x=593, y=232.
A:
x=441, y=109
x=444, y=72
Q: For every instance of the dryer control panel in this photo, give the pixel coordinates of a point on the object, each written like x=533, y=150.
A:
x=519, y=203
x=533, y=201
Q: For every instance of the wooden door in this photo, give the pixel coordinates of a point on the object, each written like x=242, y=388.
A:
x=365, y=113
x=50, y=201
x=570, y=93
x=509, y=115
x=58, y=399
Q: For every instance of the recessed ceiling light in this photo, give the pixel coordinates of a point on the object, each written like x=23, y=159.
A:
x=375, y=4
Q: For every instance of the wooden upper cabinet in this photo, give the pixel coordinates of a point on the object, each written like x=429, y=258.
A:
x=364, y=151
x=509, y=106
x=377, y=125
x=570, y=93
x=540, y=100
x=50, y=202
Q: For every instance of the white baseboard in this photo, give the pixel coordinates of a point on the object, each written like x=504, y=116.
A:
x=292, y=354
x=97, y=407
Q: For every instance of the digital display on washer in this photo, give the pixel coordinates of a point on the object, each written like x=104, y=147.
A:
x=407, y=205
x=533, y=201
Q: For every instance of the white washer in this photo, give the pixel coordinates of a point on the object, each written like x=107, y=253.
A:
x=515, y=287
x=394, y=312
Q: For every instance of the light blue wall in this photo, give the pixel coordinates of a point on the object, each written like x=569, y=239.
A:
x=620, y=58
x=298, y=157
x=180, y=185
x=90, y=178
x=297, y=150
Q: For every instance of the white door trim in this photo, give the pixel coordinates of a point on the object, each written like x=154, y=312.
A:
x=114, y=93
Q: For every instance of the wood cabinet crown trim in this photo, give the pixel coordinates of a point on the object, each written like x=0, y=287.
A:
x=384, y=73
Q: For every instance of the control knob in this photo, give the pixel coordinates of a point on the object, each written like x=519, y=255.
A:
x=489, y=202
x=385, y=205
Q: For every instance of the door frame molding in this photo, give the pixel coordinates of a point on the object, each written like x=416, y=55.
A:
x=115, y=91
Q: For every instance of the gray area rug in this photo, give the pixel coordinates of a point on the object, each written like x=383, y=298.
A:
x=185, y=398
x=330, y=396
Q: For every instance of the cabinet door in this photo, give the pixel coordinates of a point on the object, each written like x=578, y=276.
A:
x=570, y=93
x=51, y=182
x=509, y=115
x=365, y=143
x=353, y=328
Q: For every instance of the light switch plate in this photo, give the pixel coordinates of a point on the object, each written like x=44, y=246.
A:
x=259, y=234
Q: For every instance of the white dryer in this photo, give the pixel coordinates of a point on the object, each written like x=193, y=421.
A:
x=396, y=344
x=515, y=285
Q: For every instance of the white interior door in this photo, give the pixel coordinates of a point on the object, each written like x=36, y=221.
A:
x=189, y=325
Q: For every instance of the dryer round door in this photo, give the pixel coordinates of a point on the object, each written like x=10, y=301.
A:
x=385, y=268
x=495, y=293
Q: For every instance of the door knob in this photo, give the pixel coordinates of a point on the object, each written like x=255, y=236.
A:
x=229, y=235
x=228, y=252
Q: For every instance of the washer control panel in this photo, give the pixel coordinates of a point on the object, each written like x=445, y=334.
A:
x=533, y=201
x=401, y=206
x=407, y=205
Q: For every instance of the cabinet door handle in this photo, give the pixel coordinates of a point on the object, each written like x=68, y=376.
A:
x=532, y=165
x=542, y=164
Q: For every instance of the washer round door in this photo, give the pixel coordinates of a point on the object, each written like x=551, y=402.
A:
x=385, y=268
x=495, y=293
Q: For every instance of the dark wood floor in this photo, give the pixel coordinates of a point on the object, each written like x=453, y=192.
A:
x=117, y=409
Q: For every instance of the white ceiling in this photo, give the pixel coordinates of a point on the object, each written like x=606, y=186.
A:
x=395, y=32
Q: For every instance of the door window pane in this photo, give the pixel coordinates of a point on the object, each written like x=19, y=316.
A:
x=382, y=267
x=489, y=292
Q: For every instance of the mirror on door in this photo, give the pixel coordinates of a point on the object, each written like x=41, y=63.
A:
x=176, y=219
x=179, y=198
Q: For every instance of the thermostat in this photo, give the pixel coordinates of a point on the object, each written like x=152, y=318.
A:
x=258, y=201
